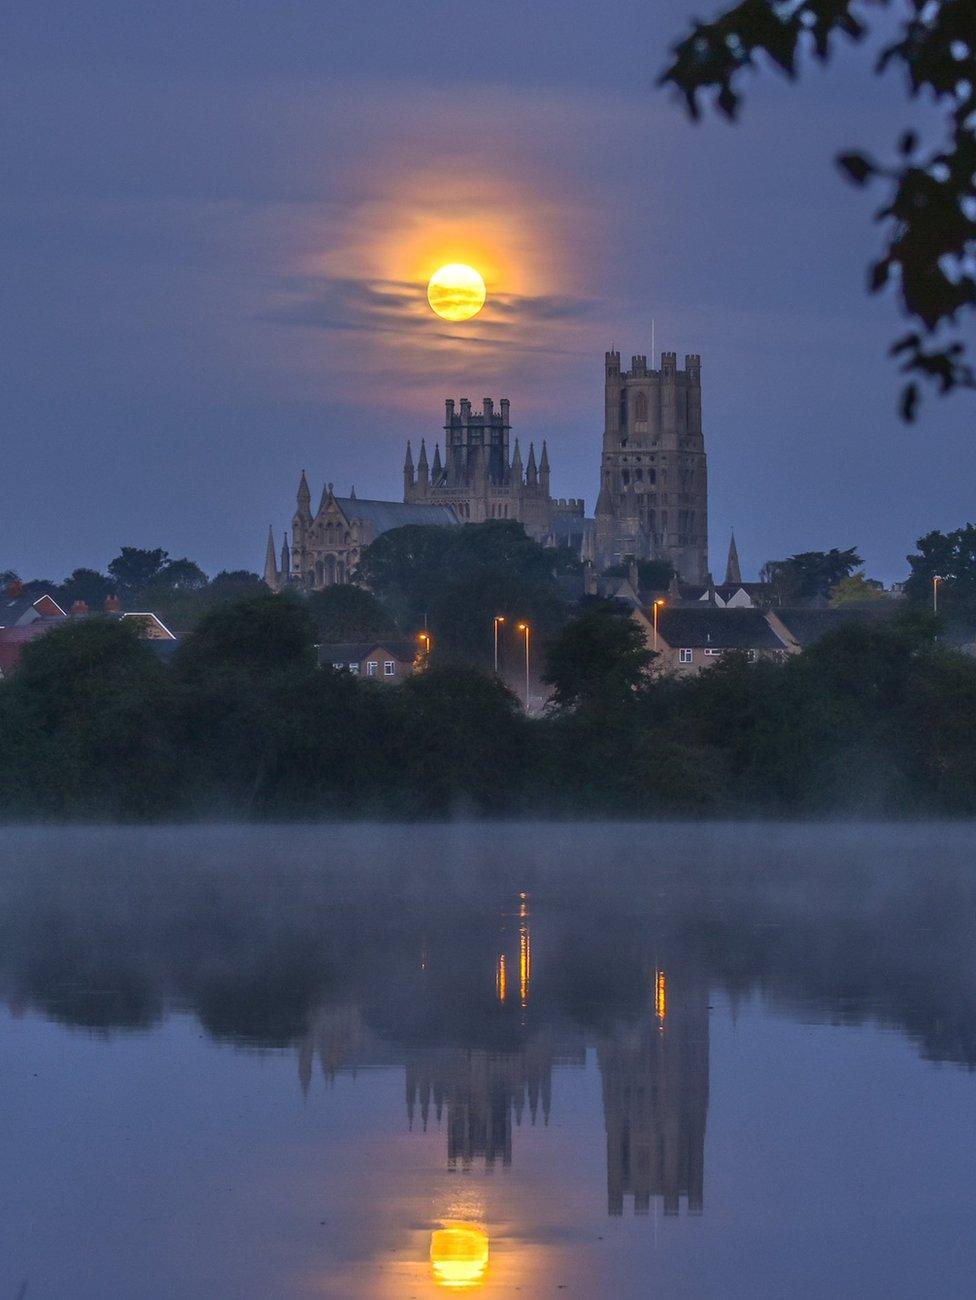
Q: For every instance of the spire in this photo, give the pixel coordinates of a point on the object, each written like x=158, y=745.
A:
x=436, y=471
x=531, y=473
x=544, y=468
x=352, y=493
x=285, y=558
x=304, y=499
x=423, y=469
x=408, y=459
x=270, y=563
x=733, y=574
x=408, y=474
x=326, y=497
x=517, y=463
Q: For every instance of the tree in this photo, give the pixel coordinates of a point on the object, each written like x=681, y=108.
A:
x=653, y=575
x=856, y=589
x=180, y=575
x=810, y=575
x=87, y=733
x=348, y=613
x=459, y=579
x=598, y=658
x=88, y=585
x=232, y=584
x=952, y=558
x=930, y=213
x=134, y=569
x=260, y=636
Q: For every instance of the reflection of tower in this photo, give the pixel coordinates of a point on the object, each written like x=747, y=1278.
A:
x=655, y=1100
x=482, y=1092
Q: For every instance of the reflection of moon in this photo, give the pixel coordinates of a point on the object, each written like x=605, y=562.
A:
x=459, y=1253
x=456, y=292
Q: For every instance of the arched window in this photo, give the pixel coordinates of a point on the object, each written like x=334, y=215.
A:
x=641, y=406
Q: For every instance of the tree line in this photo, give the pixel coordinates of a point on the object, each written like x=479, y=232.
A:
x=875, y=719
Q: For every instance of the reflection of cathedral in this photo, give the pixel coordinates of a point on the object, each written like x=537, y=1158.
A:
x=654, y=1073
x=482, y=1092
x=655, y=1101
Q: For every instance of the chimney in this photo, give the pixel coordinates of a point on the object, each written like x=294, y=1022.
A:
x=113, y=605
x=79, y=609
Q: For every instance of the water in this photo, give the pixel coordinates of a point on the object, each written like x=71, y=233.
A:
x=625, y=1061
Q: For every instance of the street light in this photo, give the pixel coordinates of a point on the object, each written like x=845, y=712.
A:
x=424, y=639
x=499, y=618
x=936, y=579
x=524, y=629
x=657, y=604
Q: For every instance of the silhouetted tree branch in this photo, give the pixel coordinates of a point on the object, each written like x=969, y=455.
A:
x=929, y=217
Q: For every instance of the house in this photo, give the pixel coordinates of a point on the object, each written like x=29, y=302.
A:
x=22, y=618
x=694, y=637
x=388, y=661
x=18, y=609
x=802, y=626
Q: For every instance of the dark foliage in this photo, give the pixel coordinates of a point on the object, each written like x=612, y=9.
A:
x=809, y=576
x=875, y=719
x=456, y=580
x=929, y=217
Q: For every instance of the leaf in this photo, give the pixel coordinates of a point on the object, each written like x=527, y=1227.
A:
x=856, y=167
x=878, y=277
x=909, y=402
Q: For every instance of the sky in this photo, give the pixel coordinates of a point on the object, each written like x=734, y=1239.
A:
x=218, y=218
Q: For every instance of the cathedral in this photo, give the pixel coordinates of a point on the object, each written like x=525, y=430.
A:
x=652, y=503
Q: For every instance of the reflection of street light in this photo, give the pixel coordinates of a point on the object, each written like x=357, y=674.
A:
x=524, y=629
x=657, y=605
x=459, y=1256
x=936, y=579
x=499, y=618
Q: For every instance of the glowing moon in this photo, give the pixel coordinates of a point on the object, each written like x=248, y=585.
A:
x=456, y=292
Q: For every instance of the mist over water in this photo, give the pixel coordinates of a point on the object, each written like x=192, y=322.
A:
x=681, y=1060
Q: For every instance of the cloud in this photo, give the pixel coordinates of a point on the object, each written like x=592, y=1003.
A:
x=353, y=305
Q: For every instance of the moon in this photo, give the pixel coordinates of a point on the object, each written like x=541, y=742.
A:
x=456, y=292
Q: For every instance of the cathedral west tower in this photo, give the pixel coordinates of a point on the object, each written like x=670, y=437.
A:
x=653, y=501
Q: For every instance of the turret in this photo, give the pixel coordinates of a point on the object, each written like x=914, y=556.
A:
x=270, y=563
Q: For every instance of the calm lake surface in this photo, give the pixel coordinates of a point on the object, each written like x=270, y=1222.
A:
x=623, y=1061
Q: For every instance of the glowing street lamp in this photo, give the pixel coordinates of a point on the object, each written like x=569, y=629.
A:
x=425, y=642
x=937, y=578
x=499, y=618
x=524, y=629
x=657, y=604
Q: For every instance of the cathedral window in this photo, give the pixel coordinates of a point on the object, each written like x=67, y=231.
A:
x=641, y=406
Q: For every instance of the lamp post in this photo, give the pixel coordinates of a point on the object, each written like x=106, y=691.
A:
x=499, y=618
x=657, y=605
x=936, y=579
x=424, y=639
x=524, y=629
